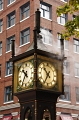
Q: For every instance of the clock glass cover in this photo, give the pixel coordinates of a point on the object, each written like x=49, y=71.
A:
x=26, y=74
x=47, y=74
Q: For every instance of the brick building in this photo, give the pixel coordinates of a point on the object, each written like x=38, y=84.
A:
x=17, y=21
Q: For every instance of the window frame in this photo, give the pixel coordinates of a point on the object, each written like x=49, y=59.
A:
x=0, y=70
x=67, y=94
x=76, y=69
x=61, y=18
x=45, y=11
x=8, y=93
x=22, y=36
x=8, y=68
x=22, y=11
x=76, y=47
x=1, y=25
x=77, y=94
x=0, y=48
x=8, y=43
x=66, y=47
x=1, y=5
x=9, y=3
x=66, y=65
x=11, y=18
x=45, y=36
x=64, y=1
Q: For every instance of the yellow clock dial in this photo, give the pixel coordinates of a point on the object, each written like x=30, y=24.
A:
x=47, y=74
x=26, y=74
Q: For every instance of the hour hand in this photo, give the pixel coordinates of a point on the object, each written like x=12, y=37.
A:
x=25, y=73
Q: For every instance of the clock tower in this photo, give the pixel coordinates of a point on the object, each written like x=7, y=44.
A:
x=37, y=80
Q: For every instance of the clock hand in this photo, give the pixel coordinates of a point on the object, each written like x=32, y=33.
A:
x=47, y=75
x=25, y=73
x=45, y=70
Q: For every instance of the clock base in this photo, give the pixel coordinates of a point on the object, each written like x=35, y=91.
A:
x=37, y=105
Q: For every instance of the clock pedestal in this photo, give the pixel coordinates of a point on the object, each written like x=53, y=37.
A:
x=37, y=105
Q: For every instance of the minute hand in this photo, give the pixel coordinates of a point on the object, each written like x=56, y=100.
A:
x=25, y=73
x=47, y=74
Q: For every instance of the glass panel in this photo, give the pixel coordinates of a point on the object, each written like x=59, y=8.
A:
x=41, y=13
x=77, y=94
x=47, y=15
x=66, y=44
x=44, y=7
x=63, y=21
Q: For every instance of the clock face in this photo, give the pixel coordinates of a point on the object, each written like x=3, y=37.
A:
x=26, y=74
x=47, y=74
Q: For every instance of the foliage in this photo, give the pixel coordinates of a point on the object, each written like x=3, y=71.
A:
x=71, y=26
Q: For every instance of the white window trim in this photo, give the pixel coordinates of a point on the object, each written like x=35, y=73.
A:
x=8, y=102
x=47, y=19
x=64, y=48
x=60, y=23
x=66, y=74
x=63, y=1
x=76, y=76
x=76, y=52
x=77, y=103
x=10, y=26
x=11, y=3
x=8, y=51
x=47, y=44
x=1, y=9
x=25, y=19
x=0, y=31
x=24, y=44
x=64, y=101
x=8, y=75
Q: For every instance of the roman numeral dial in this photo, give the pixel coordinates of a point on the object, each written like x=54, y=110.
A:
x=26, y=74
x=47, y=74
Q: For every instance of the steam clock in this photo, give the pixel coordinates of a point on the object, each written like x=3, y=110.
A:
x=37, y=80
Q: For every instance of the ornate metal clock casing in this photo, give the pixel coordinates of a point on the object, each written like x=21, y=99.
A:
x=23, y=74
x=49, y=74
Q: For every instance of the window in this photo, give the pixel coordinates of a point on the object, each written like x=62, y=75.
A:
x=66, y=95
x=77, y=94
x=76, y=45
x=66, y=67
x=0, y=70
x=10, y=1
x=66, y=42
x=11, y=19
x=25, y=36
x=9, y=46
x=64, y=0
x=24, y=11
x=77, y=69
x=1, y=25
x=46, y=36
x=0, y=47
x=8, y=68
x=1, y=5
x=8, y=94
x=45, y=10
x=62, y=19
